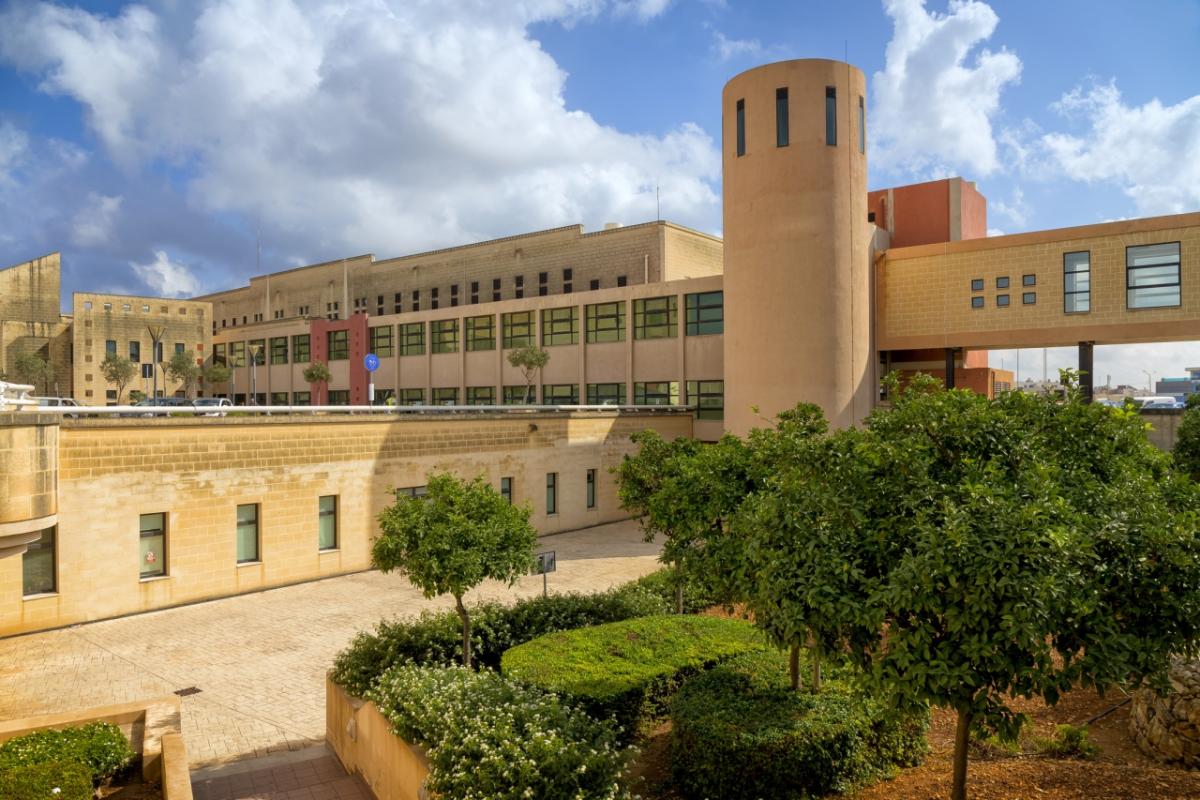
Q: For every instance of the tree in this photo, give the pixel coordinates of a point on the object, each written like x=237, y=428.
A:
x=31, y=368
x=215, y=372
x=318, y=373
x=118, y=370
x=136, y=396
x=1018, y=547
x=182, y=368
x=1187, y=441
x=452, y=539
x=529, y=360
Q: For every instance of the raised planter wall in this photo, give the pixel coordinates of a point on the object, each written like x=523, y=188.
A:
x=363, y=741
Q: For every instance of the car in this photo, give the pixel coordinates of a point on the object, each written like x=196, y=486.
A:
x=58, y=402
x=1161, y=404
x=162, y=405
x=212, y=406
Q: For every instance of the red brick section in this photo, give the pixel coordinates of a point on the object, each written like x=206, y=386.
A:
x=921, y=212
x=359, y=341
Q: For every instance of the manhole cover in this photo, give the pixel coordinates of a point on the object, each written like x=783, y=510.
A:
x=188, y=691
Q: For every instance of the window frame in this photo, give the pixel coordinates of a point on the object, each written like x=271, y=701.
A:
x=160, y=533
x=439, y=395
x=32, y=551
x=506, y=488
x=518, y=329
x=643, y=397
x=591, y=490
x=443, y=336
x=337, y=345
x=595, y=398
x=644, y=329
x=238, y=524
x=279, y=355
x=1177, y=284
x=560, y=326
x=740, y=127
x=1070, y=293
x=694, y=312
x=481, y=335
x=481, y=396
x=412, y=338
x=604, y=322
x=551, y=494
x=383, y=340
x=831, y=116
x=698, y=395
x=560, y=394
x=781, y=117
x=407, y=396
x=322, y=513
x=297, y=339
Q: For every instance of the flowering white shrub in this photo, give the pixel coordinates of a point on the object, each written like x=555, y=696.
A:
x=489, y=739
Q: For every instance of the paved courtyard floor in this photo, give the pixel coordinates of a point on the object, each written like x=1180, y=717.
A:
x=260, y=659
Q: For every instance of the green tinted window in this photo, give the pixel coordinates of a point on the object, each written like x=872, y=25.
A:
x=517, y=329
x=705, y=313
x=412, y=339
x=655, y=318
x=605, y=322
x=708, y=397
x=481, y=333
x=560, y=326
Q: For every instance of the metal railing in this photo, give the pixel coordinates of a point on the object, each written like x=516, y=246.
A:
x=392, y=411
x=16, y=396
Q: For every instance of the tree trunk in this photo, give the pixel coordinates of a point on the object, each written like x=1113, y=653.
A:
x=794, y=665
x=815, y=654
x=678, y=588
x=466, y=623
x=961, y=739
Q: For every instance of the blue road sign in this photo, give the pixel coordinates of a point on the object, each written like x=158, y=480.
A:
x=371, y=362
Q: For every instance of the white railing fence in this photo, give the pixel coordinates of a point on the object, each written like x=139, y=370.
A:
x=14, y=396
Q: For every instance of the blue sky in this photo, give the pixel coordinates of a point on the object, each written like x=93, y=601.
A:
x=150, y=142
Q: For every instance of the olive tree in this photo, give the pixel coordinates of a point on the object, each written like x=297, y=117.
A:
x=458, y=535
x=215, y=372
x=32, y=369
x=529, y=360
x=318, y=373
x=182, y=368
x=119, y=371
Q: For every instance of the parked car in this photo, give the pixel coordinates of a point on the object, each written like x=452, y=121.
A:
x=1161, y=404
x=212, y=406
x=58, y=402
x=161, y=405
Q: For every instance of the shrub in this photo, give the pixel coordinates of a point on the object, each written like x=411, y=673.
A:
x=436, y=638
x=698, y=593
x=487, y=737
x=627, y=671
x=53, y=780
x=739, y=730
x=1070, y=741
x=100, y=746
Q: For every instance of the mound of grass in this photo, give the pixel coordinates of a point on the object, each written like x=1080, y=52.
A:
x=98, y=746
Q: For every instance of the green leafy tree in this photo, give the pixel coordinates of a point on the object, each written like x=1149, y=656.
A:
x=215, y=372
x=318, y=374
x=1019, y=547
x=1187, y=442
x=136, y=395
x=529, y=359
x=182, y=368
x=452, y=539
x=119, y=371
x=31, y=368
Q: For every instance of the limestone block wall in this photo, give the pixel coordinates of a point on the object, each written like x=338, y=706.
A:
x=198, y=472
x=28, y=483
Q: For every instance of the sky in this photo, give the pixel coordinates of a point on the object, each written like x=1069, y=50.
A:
x=180, y=146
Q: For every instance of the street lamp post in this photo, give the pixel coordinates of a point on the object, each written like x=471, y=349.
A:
x=254, y=349
x=156, y=334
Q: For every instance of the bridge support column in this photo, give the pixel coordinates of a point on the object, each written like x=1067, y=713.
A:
x=1086, y=381
x=950, y=353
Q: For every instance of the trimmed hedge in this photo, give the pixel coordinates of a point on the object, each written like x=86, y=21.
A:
x=628, y=670
x=99, y=746
x=740, y=731
x=489, y=738
x=54, y=780
x=436, y=638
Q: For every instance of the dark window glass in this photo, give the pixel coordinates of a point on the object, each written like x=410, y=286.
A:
x=543, y=277
x=1029, y=280
x=39, y=572
x=443, y=336
x=237, y=354
x=300, y=348
x=517, y=329
x=247, y=533
x=551, y=492
x=496, y=284
x=339, y=345
x=605, y=394
x=153, y=551
x=566, y=288
x=481, y=333
x=568, y=274
x=279, y=350
x=110, y=347
x=382, y=341
x=656, y=393
x=594, y=284
x=591, y=488
x=515, y=395
x=135, y=352
x=519, y=280
x=705, y=313
x=976, y=302
x=445, y=396
x=416, y=300
x=621, y=280
x=1002, y=282
x=830, y=115
x=977, y=284
x=605, y=322
x=412, y=397
x=1152, y=276
x=327, y=533
x=708, y=397
x=481, y=395
x=301, y=398
x=1077, y=282
x=741, y=127
x=412, y=338
x=560, y=326
x=339, y=397
x=560, y=394
x=781, y=118
x=279, y=398
x=506, y=489
x=258, y=351
x=1028, y=298
x=1002, y=300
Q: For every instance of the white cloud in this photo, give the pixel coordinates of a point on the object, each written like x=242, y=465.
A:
x=935, y=102
x=1016, y=210
x=93, y=224
x=1151, y=151
x=166, y=278
x=995, y=232
x=725, y=48
x=384, y=126
x=14, y=142
x=643, y=10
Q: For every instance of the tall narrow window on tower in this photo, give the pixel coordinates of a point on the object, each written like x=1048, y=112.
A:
x=741, y=127
x=781, y=118
x=862, y=125
x=830, y=115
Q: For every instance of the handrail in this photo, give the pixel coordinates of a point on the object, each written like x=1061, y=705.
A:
x=223, y=411
x=16, y=394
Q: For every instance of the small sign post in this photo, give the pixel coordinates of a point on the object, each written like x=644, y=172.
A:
x=546, y=564
x=371, y=362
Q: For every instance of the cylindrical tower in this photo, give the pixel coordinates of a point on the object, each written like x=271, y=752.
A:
x=797, y=288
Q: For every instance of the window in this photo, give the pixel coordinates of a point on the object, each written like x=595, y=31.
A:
x=506, y=489
x=339, y=345
x=862, y=125
x=153, y=533
x=433, y=298
x=1002, y=300
x=781, y=121
x=830, y=116
x=258, y=350
x=412, y=397
x=977, y=284
x=474, y=292
x=327, y=537
x=443, y=336
x=1077, y=282
x=413, y=492
x=705, y=313
x=481, y=395
x=655, y=318
x=126, y=307
x=560, y=394
x=454, y=295
x=279, y=398
x=446, y=396
x=1029, y=298
x=416, y=300
x=1152, y=275
x=385, y=397
x=108, y=306
x=741, y=127
x=708, y=397
x=594, y=284
x=591, y=488
x=1029, y=280
x=279, y=350
x=481, y=333
x=179, y=347
x=656, y=393
x=515, y=395
x=110, y=347
x=567, y=276
x=301, y=398
x=551, y=493
x=87, y=305
x=605, y=322
x=412, y=338
x=39, y=573
x=1002, y=282
x=542, y=279
x=339, y=397
x=135, y=352
x=381, y=341
x=560, y=326
x=605, y=394
x=247, y=533
x=976, y=302
x=622, y=280
x=396, y=303
x=219, y=354
x=147, y=370
x=300, y=348
x=517, y=329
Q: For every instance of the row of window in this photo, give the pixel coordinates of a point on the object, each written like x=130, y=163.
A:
x=145, y=309
x=782, y=127
x=506, y=490
x=135, y=350
x=1151, y=280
